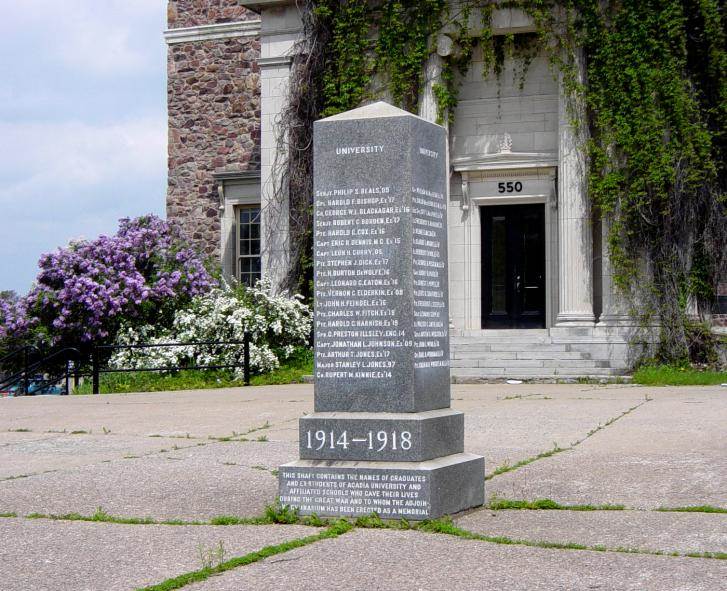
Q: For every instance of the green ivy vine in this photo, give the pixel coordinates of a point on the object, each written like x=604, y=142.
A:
x=656, y=104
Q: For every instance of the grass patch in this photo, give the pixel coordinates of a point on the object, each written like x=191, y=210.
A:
x=498, y=504
x=99, y=516
x=290, y=372
x=21, y=430
x=149, y=381
x=666, y=375
x=694, y=509
x=275, y=513
x=278, y=513
x=332, y=531
x=8, y=515
x=716, y=555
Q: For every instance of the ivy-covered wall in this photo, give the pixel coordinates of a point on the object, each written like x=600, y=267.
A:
x=655, y=102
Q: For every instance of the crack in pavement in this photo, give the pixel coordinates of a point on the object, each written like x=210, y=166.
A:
x=505, y=468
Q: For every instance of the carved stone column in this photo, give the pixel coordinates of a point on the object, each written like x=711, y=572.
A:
x=615, y=309
x=575, y=240
x=427, y=100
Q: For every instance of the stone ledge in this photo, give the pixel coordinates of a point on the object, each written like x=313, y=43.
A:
x=211, y=32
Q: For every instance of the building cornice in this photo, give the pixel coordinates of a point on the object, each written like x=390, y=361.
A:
x=504, y=160
x=249, y=176
x=211, y=32
x=275, y=62
x=258, y=5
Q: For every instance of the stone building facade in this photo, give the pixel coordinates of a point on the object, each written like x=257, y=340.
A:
x=530, y=284
x=214, y=114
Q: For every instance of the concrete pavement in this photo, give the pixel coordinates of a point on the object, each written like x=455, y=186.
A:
x=197, y=455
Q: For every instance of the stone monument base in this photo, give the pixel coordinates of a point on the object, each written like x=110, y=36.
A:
x=393, y=490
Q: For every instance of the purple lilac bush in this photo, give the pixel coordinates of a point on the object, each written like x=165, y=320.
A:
x=14, y=321
x=84, y=291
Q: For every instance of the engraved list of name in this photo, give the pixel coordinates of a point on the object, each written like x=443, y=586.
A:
x=429, y=269
x=381, y=315
x=360, y=243
x=357, y=290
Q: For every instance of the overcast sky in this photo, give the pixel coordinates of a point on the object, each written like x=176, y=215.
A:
x=82, y=123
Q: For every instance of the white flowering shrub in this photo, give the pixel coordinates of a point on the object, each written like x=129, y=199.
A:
x=278, y=325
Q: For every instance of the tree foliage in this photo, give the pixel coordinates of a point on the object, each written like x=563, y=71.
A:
x=83, y=292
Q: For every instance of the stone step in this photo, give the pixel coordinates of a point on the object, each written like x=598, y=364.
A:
x=502, y=363
x=509, y=364
x=542, y=379
x=530, y=333
x=508, y=346
x=520, y=347
x=519, y=355
x=551, y=355
x=463, y=372
x=597, y=363
x=489, y=340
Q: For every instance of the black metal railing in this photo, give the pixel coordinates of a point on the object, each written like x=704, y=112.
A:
x=30, y=376
x=100, y=351
x=37, y=376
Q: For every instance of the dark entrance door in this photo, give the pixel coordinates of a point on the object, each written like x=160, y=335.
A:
x=513, y=266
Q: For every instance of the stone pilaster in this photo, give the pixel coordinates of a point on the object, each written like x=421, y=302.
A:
x=427, y=100
x=575, y=241
x=274, y=73
x=280, y=31
x=615, y=309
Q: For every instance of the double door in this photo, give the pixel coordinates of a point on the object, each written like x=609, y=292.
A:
x=513, y=266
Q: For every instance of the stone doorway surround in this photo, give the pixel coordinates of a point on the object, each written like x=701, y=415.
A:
x=479, y=187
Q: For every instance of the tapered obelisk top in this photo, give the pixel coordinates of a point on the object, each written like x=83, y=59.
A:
x=378, y=110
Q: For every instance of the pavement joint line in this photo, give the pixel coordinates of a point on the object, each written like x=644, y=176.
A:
x=526, y=396
x=124, y=457
x=332, y=531
x=502, y=504
x=281, y=515
x=240, y=437
x=30, y=475
x=9, y=443
x=505, y=468
x=209, y=440
x=495, y=505
x=446, y=527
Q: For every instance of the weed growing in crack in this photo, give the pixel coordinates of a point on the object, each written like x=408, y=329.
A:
x=277, y=513
x=334, y=530
x=500, y=504
x=694, y=509
x=211, y=557
x=510, y=467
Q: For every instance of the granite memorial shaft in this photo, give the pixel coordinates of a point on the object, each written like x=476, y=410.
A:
x=383, y=437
